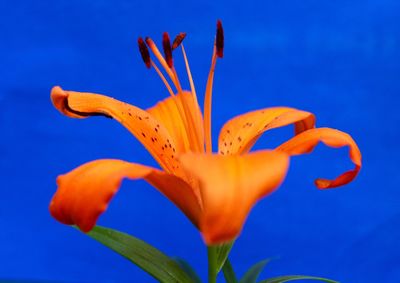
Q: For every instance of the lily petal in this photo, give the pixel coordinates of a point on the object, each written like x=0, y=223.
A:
x=306, y=141
x=239, y=134
x=230, y=187
x=170, y=112
x=148, y=130
x=84, y=193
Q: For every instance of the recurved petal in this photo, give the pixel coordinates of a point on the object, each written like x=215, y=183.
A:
x=239, y=134
x=147, y=129
x=84, y=193
x=306, y=141
x=230, y=187
x=177, y=111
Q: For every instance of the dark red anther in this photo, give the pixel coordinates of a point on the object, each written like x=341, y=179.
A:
x=144, y=51
x=148, y=41
x=167, y=49
x=219, y=41
x=178, y=40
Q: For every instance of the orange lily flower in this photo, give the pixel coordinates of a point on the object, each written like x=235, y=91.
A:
x=215, y=190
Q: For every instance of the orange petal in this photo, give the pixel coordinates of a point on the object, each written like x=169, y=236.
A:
x=148, y=130
x=168, y=112
x=84, y=193
x=306, y=141
x=239, y=134
x=230, y=187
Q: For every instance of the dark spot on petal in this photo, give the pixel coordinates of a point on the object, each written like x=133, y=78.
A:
x=247, y=125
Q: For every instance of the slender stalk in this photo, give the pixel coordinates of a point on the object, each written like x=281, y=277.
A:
x=212, y=264
x=207, y=104
x=229, y=273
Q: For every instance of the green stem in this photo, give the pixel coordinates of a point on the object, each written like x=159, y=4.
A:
x=212, y=264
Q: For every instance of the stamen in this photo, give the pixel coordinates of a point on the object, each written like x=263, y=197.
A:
x=168, y=58
x=162, y=78
x=207, y=104
x=192, y=88
x=183, y=108
x=144, y=51
x=183, y=111
x=196, y=130
x=217, y=52
x=219, y=42
x=167, y=50
x=178, y=40
x=178, y=84
x=161, y=59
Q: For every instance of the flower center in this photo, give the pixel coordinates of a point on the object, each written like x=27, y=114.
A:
x=192, y=139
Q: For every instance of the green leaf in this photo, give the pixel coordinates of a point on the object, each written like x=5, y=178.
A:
x=229, y=273
x=188, y=269
x=254, y=271
x=222, y=254
x=148, y=258
x=287, y=278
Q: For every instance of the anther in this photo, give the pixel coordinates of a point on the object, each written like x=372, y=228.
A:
x=149, y=42
x=167, y=49
x=178, y=40
x=219, y=42
x=144, y=51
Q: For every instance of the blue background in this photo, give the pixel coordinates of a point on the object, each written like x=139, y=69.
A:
x=337, y=59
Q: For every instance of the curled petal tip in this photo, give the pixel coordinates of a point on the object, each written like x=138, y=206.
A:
x=59, y=98
x=306, y=142
x=57, y=91
x=322, y=183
